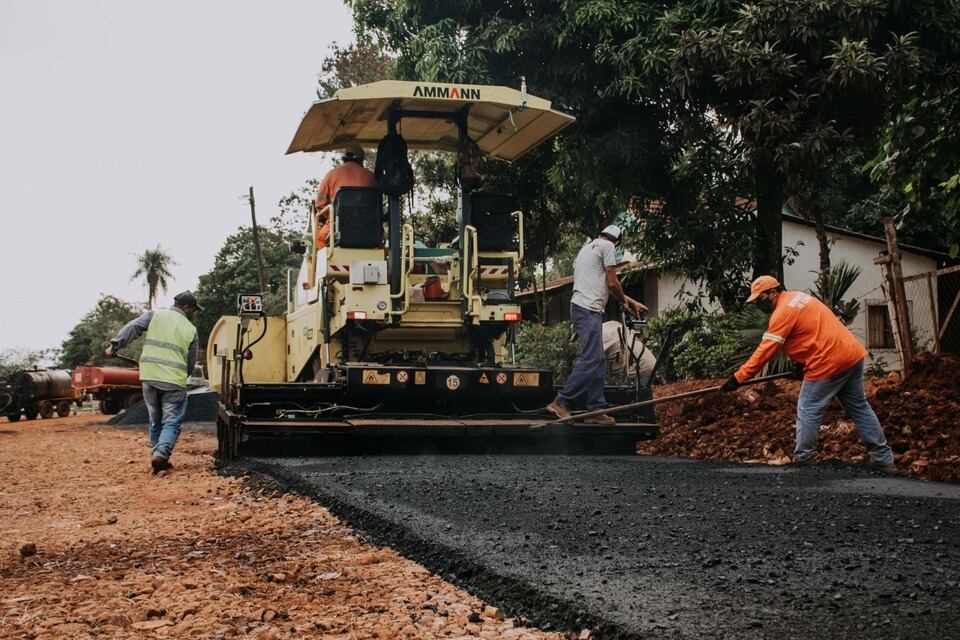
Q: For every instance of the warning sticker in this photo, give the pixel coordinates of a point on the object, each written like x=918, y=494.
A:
x=526, y=379
x=501, y=378
x=372, y=377
x=484, y=379
x=402, y=377
x=419, y=377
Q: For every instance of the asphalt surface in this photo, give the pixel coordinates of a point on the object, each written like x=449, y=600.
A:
x=651, y=547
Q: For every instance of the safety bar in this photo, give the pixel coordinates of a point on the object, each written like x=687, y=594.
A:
x=473, y=266
x=314, y=229
x=406, y=245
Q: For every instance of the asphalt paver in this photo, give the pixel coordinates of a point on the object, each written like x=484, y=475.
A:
x=637, y=546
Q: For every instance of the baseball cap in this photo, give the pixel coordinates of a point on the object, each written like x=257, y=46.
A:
x=612, y=230
x=355, y=151
x=761, y=284
x=186, y=298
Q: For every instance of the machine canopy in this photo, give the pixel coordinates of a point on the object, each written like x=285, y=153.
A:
x=496, y=118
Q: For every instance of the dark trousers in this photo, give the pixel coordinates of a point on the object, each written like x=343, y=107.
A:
x=585, y=382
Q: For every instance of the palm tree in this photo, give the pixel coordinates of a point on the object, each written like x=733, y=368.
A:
x=154, y=265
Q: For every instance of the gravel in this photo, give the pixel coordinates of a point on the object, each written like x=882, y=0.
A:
x=631, y=546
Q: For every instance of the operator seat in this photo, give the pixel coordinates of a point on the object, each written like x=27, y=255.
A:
x=490, y=214
x=359, y=214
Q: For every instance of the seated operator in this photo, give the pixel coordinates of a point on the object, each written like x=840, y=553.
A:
x=351, y=173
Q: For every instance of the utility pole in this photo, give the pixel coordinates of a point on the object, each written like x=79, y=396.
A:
x=256, y=244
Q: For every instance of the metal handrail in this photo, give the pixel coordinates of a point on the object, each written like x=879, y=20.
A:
x=406, y=244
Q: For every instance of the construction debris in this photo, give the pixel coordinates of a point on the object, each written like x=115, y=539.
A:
x=921, y=419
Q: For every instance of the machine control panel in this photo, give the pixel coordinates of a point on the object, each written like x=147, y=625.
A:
x=249, y=305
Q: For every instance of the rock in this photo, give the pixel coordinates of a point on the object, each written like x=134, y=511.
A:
x=278, y=577
x=29, y=549
x=474, y=617
x=586, y=634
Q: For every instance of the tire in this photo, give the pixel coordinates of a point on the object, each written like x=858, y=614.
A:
x=63, y=408
x=109, y=406
x=132, y=399
x=30, y=412
x=14, y=417
x=47, y=409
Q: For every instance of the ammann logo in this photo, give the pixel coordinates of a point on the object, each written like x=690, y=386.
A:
x=454, y=93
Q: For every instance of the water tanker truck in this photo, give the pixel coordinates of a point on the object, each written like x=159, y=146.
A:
x=33, y=393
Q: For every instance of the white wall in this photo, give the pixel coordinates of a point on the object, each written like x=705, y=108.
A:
x=802, y=274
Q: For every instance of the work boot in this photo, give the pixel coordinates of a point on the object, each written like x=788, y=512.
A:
x=558, y=409
x=889, y=469
x=605, y=420
x=159, y=463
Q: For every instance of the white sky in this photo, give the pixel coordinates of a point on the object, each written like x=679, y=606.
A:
x=130, y=123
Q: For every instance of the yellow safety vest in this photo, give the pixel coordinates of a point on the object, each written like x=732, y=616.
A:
x=164, y=357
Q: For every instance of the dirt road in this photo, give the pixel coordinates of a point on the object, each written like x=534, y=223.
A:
x=651, y=547
x=92, y=545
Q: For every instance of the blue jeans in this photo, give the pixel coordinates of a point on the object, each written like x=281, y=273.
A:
x=847, y=386
x=166, y=410
x=590, y=370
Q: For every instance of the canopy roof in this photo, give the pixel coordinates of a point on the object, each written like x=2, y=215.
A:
x=497, y=118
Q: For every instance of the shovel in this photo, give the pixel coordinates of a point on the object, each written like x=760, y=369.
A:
x=645, y=403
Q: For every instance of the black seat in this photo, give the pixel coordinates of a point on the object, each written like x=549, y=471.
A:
x=490, y=214
x=359, y=212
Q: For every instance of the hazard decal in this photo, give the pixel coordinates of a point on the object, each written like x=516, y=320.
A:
x=501, y=378
x=526, y=379
x=419, y=377
x=484, y=379
x=402, y=377
x=372, y=377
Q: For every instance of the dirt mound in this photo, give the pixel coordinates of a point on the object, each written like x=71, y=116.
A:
x=921, y=419
x=201, y=407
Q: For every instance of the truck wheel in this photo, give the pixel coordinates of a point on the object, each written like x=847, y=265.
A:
x=30, y=412
x=109, y=407
x=14, y=417
x=63, y=408
x=46, y=409
x=132, y=399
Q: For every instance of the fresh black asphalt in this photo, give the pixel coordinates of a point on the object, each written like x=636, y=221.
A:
x=648, y=547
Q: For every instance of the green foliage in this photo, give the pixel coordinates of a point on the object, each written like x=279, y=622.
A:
x=834, y=285
x=355, y=64
x=154, y=265
x=88, y=339
x=703, y=344
x=549, y=347
x=235, y=271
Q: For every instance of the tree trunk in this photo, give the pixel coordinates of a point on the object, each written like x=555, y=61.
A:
x=768, y=247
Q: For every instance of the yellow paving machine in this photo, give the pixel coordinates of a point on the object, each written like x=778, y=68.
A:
x=388, y=343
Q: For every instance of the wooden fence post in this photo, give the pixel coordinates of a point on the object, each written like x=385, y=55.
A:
x=934, y=311
x=899, y=295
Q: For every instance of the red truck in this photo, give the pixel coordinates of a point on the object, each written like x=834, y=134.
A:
x=115, y=388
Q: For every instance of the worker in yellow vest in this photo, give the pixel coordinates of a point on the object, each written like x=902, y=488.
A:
x=168, y=358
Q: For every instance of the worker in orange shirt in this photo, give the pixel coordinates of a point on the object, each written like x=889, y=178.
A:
x=832, y=361
x=351, y=173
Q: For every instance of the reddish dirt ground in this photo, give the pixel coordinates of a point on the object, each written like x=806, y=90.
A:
x=921, y=419
x=93, y=545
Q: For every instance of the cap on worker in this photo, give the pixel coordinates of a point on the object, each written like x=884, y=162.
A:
x=186, y=298
x=761, y=284
x=612, y=231
x=353, y=151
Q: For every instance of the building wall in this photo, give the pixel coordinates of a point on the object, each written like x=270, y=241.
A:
x=802, y=274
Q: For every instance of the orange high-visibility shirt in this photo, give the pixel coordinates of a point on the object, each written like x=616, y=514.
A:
x=349, y=174
x=810, y=335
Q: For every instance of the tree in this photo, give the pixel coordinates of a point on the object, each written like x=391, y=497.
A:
x=13, y=360
x=235, y=272
x=358, y=63
x=88, y=339
x=154, y=265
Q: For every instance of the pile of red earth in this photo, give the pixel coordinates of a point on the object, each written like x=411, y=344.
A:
x=920, y=417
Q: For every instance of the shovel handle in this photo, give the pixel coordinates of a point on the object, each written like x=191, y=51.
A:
x=644, y=403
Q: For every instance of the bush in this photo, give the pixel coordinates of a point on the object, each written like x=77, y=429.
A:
x=704, y=344
x=550, y=347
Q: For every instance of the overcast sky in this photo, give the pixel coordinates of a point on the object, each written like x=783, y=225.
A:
x=125, y=124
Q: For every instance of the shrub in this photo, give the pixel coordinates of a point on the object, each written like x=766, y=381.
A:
x=550, y=347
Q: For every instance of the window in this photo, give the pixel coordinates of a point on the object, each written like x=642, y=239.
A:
x=879, y=330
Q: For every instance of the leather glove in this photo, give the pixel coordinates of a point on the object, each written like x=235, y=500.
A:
x=730, y=385
x=797, y=373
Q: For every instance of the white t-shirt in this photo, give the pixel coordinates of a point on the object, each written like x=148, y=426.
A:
x=590, y=289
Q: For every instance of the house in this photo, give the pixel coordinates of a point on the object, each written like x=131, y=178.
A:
x=659, y=290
